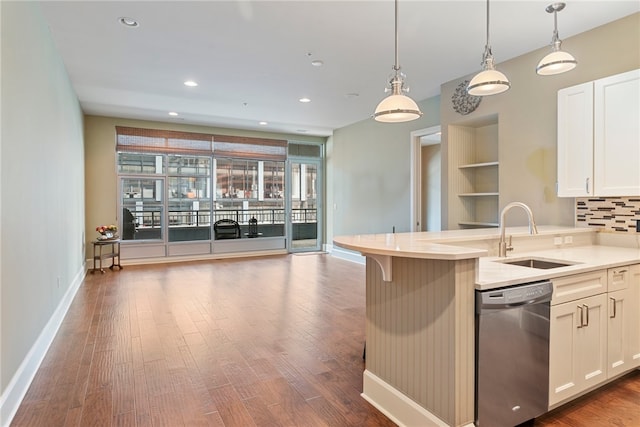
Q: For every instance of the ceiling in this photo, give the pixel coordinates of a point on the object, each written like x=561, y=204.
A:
x=253, y=59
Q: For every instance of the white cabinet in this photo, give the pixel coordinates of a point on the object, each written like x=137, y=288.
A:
x=599, y=137
x=622, y=322
x=577, y=351
x=594, y=331
x=634, y=314
x=575, y=139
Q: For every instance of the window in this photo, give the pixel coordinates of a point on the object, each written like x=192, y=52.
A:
x=175, y=185
x=248, y=189
x=189, y=185
x=142, y=208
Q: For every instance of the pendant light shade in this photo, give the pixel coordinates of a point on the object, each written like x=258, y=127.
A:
x=489, y=81
x=397, y=107
x=557, y=61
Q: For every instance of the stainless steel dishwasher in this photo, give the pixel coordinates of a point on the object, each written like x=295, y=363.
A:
x=512, y=354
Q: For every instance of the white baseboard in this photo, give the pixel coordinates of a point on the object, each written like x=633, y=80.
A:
x=19, y=384
x=395, y=405
x=347, y=255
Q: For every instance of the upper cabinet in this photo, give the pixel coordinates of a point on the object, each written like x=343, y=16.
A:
x=575, y=140
x=599, y=137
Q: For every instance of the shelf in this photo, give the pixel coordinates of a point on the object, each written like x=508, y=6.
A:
x=474, y=173
x=477, y=194
x=478, y=165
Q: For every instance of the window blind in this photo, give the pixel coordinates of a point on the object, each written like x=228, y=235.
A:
x=141, y=140
x=162, y=141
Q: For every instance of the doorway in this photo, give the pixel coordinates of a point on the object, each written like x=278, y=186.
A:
x=426, y=173
x=304, y=205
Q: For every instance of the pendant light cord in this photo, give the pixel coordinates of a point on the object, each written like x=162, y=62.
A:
x=396, y=67
x=488, y=23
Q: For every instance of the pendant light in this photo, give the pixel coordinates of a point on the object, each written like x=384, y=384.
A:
x=557, y=61
x=397, y=107
x=489, y=81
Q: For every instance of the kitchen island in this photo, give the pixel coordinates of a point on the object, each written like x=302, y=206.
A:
x=420, y=327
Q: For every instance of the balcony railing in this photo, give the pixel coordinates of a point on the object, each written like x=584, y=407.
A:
x=152, y=219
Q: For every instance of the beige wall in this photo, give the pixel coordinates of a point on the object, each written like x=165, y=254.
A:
x=527, y=116
x=100, y=155
x=368, y=169
x=42, y=218
x=369, y=174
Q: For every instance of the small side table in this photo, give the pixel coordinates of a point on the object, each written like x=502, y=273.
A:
x=99, y=254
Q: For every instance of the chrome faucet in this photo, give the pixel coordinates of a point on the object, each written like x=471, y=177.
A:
x=502, y=245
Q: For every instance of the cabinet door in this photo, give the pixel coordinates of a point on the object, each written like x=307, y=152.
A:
x=617, y=135
x=564, y=379
x=620, y=323
x=634, y=315
x=575, y=140
x=577, y=347
x=592, y=341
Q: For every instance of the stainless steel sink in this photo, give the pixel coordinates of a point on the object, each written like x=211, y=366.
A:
x=537, y=263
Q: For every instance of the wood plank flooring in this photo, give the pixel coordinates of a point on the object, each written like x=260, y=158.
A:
x=614, y=405
x=272, y=341
x=253, y=342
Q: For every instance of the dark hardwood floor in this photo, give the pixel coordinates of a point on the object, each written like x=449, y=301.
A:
x=273, y=341
x=614, y=405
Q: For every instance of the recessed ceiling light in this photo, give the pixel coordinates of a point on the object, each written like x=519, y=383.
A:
x=352, y=95
x=304, y=100
x=190, y=83
x=173, y=113
x=128, y=22
x=317, y=63
x=263, y=123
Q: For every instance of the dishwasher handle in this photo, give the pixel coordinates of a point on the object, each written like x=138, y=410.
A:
x=487, y=305
x=512, y=297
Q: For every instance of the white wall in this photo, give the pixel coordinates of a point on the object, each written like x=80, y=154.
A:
x=42, y=206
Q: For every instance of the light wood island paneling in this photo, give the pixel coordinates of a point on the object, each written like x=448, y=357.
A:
x=420, y=338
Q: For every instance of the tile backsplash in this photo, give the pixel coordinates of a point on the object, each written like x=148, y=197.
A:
x=614, y=214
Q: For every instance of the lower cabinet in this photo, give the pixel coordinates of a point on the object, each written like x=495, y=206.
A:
x=577, y=347
x=622, y=321
x=595, y=337
x=634, y=316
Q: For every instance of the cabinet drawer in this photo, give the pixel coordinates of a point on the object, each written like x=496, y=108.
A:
x=619, y=278
x=578, y=286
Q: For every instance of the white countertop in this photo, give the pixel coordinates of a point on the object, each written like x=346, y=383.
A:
x=493, y=274
x=437, y=244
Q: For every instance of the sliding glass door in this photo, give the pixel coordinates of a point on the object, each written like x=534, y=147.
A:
x=304, y=205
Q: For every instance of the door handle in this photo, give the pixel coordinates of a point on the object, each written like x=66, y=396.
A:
x=587, y=315
x=581, y=314
x=613, y=316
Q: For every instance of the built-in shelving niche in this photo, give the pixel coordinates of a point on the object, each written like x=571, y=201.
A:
x=474, y=177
